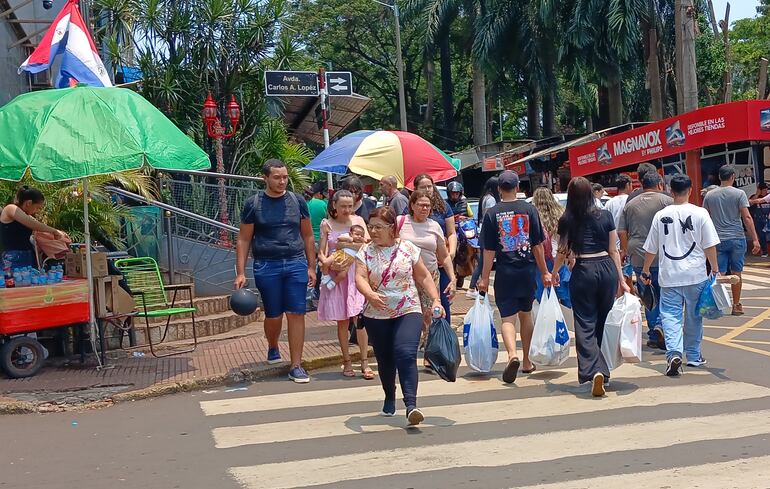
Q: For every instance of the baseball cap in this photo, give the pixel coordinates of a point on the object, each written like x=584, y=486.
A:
x=508, y=180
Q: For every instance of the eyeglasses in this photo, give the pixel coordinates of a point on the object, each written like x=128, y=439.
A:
x=378, y=227
x=424, y=206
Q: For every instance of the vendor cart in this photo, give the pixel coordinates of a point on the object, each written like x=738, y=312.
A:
x=25, y=310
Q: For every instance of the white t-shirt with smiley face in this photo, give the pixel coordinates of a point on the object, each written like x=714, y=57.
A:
x=679, y=235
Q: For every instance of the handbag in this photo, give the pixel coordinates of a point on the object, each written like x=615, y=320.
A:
x=360, y=318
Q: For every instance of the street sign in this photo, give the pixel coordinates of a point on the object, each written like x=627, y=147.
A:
x=291, y=84
x=339, y=83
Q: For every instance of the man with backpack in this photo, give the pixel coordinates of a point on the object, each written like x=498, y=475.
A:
x=275, y=224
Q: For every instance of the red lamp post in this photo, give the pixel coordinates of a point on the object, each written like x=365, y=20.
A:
x=216, y=131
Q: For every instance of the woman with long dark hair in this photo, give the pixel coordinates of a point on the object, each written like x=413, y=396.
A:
x=442, y=213
x=588, y=233
x=17, y=223
x=489, y=198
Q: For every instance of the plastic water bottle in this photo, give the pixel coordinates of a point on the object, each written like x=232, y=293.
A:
x=2, y=281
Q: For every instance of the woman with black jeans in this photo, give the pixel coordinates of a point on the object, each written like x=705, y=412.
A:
x=588, y=233
x=387, y=273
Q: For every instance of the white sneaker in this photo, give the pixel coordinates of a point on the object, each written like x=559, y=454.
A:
x=472, y=294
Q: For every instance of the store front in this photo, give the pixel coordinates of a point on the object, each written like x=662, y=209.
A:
x=696, y=143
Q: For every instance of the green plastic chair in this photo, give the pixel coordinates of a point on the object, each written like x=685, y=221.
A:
x=146, y=286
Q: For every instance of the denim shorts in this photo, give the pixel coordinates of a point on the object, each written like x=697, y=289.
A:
x=731, y=255
x=282, y=285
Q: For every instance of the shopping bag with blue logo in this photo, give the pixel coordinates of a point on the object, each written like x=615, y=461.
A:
x=714, y=301
x=480, y=336
x=550, y=339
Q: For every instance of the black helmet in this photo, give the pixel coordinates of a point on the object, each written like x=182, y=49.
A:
x=454, y=187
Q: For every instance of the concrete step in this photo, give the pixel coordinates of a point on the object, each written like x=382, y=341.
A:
x=204, y=306
x=181, y=328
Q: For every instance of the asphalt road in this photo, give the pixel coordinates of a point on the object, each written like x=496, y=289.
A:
x=708, y=428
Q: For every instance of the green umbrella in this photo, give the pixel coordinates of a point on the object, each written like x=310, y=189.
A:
x=77, y=132
x=73, y=133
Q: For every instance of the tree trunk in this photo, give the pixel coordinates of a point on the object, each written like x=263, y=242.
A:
x=615, y=99
x=653, y=75
x=447, y=92
x=603, y=119
x=479, y=98
x=686, y=62
x=549, y=112
x=533, y=112
x=430, y=71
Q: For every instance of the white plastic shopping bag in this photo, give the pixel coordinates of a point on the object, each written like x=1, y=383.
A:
x=550, y=339
x=611, y=337
x=631, y=329
x=480, y=336
x=722, y=298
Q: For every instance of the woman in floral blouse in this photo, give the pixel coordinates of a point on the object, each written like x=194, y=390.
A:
x=387, y=272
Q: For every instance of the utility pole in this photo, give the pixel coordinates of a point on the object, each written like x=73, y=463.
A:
x=399, y=63
x=324, y=94
x=400, y=67
x=686, y=60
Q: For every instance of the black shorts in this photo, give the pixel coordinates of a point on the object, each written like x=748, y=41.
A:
x=514, y=289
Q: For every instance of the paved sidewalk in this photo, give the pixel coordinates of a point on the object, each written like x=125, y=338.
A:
x=237, y=356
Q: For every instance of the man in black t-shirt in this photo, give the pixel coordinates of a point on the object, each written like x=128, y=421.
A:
x=275, y=224
x=513, y=236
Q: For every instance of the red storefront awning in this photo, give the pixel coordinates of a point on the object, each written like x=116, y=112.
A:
x=747, y=120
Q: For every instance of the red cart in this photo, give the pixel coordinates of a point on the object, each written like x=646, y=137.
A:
x=32, y=309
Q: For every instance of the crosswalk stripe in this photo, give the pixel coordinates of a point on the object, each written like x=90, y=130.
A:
x=721, y=474
x=561, y=376
x=501, y=452
x=483, y=412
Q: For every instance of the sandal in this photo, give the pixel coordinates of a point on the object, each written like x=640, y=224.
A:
x=368, y=373
x=529, y=370
x=347, y=369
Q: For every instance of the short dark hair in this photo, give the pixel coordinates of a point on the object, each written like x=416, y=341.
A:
x=597, y=187
x=645, y=168
x=762, y=186
x=651, y=180
x=623, y=181
x=28, y=193
x=680, y=184
x=352, y=183
x=387, y=215
x=726, y=172
x=270, y=164
x=317, y=188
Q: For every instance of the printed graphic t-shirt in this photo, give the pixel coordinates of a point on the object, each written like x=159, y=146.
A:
x=398, y=287
x=678, y=235
x=512, y=229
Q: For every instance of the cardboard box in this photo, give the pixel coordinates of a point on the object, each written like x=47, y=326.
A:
x=75, y=265
x=111, y=299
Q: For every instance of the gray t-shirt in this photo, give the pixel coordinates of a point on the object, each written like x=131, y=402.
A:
x=399, y=203
x=725, y=204
x=636, y=220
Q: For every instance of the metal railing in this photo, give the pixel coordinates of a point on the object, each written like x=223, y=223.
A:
x=194, y=247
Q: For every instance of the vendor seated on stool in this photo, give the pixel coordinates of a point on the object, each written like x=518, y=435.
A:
x=17, y=222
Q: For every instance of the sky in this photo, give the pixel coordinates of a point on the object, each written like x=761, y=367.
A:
x=739, y=9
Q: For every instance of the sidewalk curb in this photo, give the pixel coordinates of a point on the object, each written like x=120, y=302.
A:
x=263, y=371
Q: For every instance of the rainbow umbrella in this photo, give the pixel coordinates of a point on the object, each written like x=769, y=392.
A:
x=380, y=153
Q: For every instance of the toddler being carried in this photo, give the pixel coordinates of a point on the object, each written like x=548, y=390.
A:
x=343, y=257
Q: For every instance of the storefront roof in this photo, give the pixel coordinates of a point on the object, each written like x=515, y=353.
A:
x=747, y=120
x=299, y=115
x=570, y=141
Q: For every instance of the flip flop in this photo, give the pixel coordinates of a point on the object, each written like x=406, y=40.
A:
x=511, y=371
x=529, y=371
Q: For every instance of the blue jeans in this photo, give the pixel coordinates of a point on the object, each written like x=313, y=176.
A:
x=731, y=255
x=282, y=285
x=682, y=325
x=653, y=316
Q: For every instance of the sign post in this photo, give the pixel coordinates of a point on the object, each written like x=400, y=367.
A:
x=325, y=118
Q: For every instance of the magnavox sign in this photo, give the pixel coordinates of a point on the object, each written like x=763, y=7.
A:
x=718, y=124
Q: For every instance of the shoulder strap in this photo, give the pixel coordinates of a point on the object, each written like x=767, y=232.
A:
x=390, y=264
x=258, y=201
x=401, y=221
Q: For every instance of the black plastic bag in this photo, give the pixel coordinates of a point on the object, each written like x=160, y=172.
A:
x=443, y=350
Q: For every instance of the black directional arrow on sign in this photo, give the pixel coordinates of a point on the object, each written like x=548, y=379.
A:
x=339, y=83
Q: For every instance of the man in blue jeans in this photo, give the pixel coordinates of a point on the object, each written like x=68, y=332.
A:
x=633, y=227
x=276, y=225
x=682, y=237
x=729, y=209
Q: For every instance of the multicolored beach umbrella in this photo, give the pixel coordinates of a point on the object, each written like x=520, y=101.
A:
x=380, y=153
